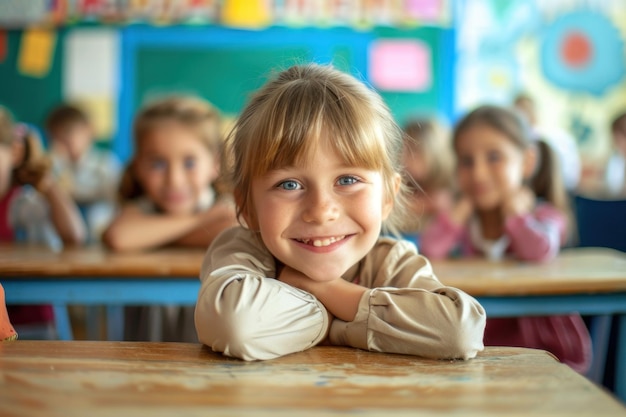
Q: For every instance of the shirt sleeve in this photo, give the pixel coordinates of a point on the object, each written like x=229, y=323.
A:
x=537, y=236
x=244, y=312
x=440, y=237
x=407, y=310
x=29, y=216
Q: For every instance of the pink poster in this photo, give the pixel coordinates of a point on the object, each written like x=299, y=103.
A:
x=400, y=65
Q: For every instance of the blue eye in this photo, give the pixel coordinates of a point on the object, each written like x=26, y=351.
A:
x=158, y=164
x=190, y=162
x=347, y=180
x=289, y=185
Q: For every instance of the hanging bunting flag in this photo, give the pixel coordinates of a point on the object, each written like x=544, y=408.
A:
x=4, y=45
x=246, y=13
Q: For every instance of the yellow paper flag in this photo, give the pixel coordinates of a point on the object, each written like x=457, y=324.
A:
x=246, y=13
x=36, y=52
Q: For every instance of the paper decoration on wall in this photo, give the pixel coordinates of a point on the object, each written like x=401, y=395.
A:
x=486, y=79
x=400, y=65
x=246, y=13
x=426, y=10
x=239, y=13
x=583, y=52
x=36, y=52
x=4, y=45
x=91, y=73
x=20, y=13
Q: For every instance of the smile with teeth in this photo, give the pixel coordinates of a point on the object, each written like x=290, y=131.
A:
x=322, y=242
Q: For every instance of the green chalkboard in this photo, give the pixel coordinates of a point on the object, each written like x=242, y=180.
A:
x=29, y=98
x=224, y=66
x=223, y=76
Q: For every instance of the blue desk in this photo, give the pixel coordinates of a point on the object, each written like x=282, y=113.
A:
x=587, y=281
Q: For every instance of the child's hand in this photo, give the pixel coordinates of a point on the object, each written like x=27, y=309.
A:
x=35, y=174
x=462, y=211
x=295, y=278
x=519, y=202
x=341, y=298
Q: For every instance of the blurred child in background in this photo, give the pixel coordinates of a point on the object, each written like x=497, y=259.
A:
x=512, y=203
x=33, y=208
x=615, y=174
x=168, y=192
x=89, y=174
x=428, y=162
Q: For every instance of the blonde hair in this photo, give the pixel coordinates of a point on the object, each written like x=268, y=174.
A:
x=431, y=139
x=193, y=113
x=280, y=125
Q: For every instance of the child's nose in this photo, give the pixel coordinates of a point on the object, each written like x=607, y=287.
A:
x=320, y=207
x=479, y=170
x=175, y=176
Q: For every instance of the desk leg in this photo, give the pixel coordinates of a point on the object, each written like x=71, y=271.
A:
x=600, y=332
x=115, y=323
x=62, y=322
x=620, y=359
x=94, y=317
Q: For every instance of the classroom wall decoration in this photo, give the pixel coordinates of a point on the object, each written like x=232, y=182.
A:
x=111, y=71
x=234, y=13
x=567, y=54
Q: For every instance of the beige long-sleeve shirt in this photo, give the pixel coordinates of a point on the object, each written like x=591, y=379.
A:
x=245, y=312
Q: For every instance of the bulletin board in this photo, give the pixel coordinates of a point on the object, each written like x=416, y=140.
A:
x=226, y=65
x=29, y=98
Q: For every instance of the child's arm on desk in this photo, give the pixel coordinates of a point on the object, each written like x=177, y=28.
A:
x=133, y=229
x=218, y=218
x=65, y=215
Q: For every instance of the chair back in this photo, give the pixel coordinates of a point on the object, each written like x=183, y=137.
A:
x=601, y=222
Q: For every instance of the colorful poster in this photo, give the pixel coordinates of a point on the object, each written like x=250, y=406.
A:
x=583, y=52
x=400, y=65
x=36, y=52
x=90, y=75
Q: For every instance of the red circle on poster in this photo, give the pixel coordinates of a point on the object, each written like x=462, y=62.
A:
x=576, y=49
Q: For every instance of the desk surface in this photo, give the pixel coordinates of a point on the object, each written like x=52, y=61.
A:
x=124, y=378
x=576, y=270
x=580, y=270
x=24, y=260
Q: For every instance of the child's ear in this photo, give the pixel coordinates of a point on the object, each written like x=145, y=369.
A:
x=216, y=168
x=531, y=161
x=390, y=199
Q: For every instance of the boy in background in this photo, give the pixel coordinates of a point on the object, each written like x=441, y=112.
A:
x=89, y=174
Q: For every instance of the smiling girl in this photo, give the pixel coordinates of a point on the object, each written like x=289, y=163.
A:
x=513, y=204
x=167, y=192
x=315, y=166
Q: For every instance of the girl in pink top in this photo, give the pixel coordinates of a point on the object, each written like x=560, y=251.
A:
x=512, y=203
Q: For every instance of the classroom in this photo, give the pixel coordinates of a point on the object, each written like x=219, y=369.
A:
x=313, y=207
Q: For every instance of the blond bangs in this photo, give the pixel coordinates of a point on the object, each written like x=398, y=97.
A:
x=322, y=116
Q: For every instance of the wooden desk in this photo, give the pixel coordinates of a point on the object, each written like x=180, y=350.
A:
x=39, y=378
x=588, y=281
x=95, y=276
